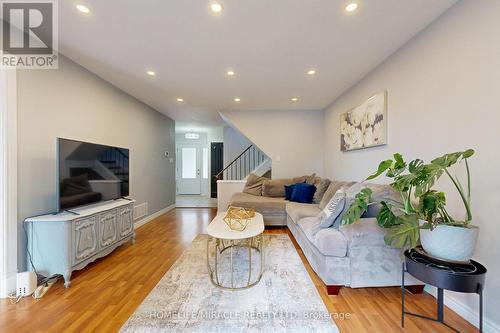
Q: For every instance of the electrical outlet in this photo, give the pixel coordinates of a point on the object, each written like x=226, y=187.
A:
x=25, y=283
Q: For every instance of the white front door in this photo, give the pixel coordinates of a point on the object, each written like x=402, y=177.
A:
x=188, y=170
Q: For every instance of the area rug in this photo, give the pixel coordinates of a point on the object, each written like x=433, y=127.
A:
x=285, y=300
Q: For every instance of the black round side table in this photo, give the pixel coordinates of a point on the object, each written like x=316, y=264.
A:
x=464, y=278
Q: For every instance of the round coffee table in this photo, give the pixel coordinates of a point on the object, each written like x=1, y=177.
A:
x=228, y=239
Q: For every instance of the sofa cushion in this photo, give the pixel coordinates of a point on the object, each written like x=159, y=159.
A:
x=254, y=185
x=329, y=241
x=275, y=188
x=330, y=214
x=332, y=189
x=303, y=193
x=321, y=187
x=297, y=210
x=265, y=205
x=309, y=226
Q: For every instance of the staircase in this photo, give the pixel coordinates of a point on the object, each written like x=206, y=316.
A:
x=251, y=160
x=117, y=161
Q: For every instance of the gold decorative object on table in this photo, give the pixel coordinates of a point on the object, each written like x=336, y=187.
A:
x=237, y=218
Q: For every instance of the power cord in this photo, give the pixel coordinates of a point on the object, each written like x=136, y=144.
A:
x=41, y=280
x=13, y=298
x=28, y=250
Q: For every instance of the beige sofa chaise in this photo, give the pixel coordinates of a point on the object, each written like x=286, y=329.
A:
x=351, y=255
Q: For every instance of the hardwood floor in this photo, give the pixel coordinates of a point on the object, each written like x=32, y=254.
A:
x=104, y=294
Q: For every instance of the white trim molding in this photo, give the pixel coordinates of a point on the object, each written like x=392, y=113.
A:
x=8, y=181
x=465, y=311
x=151, y=217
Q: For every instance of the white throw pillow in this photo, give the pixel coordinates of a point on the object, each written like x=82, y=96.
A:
x=332, y=210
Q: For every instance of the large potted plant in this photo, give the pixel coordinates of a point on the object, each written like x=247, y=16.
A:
x=420, y=215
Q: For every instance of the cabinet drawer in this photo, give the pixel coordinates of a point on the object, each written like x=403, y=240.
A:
x=108, y=228
x=125, y=221
x=85, y=236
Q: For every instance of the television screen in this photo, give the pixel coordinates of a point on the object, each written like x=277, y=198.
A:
x=89, y=173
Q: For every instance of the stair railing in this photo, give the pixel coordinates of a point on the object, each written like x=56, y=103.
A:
x=243, y=164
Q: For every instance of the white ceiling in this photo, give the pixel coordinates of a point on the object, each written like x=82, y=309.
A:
x=269, y=43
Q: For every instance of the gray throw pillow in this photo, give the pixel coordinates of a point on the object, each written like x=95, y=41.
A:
x=254, y=185
x=321, y=187
x=330, y=214
x=332, y=189
x=304, y=179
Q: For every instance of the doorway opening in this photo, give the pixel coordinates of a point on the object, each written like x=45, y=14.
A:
x=194, y=185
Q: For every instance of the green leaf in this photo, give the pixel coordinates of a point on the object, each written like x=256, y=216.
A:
x=430, y=204
x=448, y=160
x=428, y=176
x=382, y=167
x=386, y=218
x=415, y=166
x=468, y=153
x=358, y=206
x=398, y=158
x=406, y=233
x=399, y=164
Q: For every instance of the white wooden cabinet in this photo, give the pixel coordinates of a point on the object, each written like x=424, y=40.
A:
x=65, y=242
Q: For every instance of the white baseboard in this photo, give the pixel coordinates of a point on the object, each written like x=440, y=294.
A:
x=465, y=311
x=151, y=217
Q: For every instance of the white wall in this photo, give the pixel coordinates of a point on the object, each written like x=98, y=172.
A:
x=215, y=134
x=443, y=93
x=234, y=144
x=71, y=102
x=292, y=139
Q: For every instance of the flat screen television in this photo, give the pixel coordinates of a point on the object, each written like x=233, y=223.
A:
x=89, y=173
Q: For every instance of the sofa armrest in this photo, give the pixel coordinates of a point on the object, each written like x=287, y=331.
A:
x=225, y=191
x=373, y=263
x=364, y=232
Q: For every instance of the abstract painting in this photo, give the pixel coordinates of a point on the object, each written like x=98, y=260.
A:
x=366, y=125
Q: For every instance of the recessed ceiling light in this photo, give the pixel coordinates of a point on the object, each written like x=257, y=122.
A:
x=311, y=72
x=83, y=9
x=237, y=100
x=180, y=99
x=230, y=72
x=351, y=7
x=151, y=73
x=294, y=99
x=216, y=7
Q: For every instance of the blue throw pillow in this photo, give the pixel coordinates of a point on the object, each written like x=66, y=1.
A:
x=303, y=193
x=289, y=191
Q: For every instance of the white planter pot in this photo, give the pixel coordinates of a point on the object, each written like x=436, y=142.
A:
x=449, y=242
